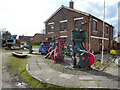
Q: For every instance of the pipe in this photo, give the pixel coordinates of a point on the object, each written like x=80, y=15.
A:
x=90, y=32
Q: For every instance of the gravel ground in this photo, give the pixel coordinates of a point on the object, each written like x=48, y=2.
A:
x=64, y=67
x=10, y=81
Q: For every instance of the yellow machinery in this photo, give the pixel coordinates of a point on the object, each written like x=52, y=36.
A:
x=113, y=52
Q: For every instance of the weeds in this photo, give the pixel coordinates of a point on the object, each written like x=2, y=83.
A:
x=17, y=67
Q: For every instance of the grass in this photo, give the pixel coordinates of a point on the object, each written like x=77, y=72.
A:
x=36, y=46
x=97, y=65
x=17, y=67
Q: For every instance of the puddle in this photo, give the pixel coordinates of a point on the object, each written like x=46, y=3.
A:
x=21, y=85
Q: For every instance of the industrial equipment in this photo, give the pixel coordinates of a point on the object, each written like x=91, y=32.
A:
x=56, y=54
x=44, y=47
x=86, y=59
x=11, y=41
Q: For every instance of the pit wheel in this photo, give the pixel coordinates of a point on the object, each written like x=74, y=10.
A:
x=91, y=58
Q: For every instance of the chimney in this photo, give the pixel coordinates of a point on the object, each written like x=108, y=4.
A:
x=71, y=4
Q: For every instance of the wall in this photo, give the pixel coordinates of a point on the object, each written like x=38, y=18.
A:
x=65, y=14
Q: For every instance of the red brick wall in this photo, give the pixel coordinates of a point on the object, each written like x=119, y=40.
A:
x=65, y=14
x=106, y=44
x=95, y=44
x=39, y=38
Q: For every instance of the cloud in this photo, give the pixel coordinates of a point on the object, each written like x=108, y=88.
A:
x=96, y=8
x=24, y=16
x=28, y=16
x=111, y=11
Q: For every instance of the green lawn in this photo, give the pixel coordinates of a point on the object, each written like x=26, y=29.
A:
x=36, y=46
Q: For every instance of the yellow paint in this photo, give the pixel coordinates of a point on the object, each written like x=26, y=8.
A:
x=113, y=52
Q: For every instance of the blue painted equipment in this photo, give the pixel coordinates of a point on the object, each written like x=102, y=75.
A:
x=11, y=41
x=44, y=47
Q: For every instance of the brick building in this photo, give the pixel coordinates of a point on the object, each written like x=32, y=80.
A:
x=38, y=37
x=25, y=39
x=65, y=19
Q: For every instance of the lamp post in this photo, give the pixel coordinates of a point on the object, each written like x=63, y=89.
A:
x=103, y=33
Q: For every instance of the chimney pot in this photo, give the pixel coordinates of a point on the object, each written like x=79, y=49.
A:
x=71, y=4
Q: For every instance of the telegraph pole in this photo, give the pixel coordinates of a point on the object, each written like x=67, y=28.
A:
x=103, y=33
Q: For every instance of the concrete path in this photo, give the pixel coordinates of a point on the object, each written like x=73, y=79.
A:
x=42, y=72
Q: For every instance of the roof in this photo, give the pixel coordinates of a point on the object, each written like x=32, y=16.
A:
x=81, y=12
x=38, y=34
x=24, y=37
x=68, y=9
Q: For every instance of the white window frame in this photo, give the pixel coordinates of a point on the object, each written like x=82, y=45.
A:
x=95, y=20
x=53, y=27
x=63, y=21
x=108, y=29
x=78, y=18
x=63, y=36
x=60, y=28
x=96, y=27
x=50, y=32
x=51, y=23
x=75, y=19
x=99, y=37
x=63, y=31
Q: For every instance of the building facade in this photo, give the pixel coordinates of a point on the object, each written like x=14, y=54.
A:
x=38, y=37
x=25, y=39
x=66, y=19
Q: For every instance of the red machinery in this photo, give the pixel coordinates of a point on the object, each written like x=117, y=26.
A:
x=56, y=54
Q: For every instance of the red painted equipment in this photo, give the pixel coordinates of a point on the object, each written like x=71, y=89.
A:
x=56, y=54
x=61, y=41
x=91, y=58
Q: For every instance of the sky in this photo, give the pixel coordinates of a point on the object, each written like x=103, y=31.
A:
x=119, y=16
x=27, y=17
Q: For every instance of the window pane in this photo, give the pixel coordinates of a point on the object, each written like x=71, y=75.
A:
x=107, y=29
x=94, y=25
x=78, y=24
x=51, y=28
x=63, y=26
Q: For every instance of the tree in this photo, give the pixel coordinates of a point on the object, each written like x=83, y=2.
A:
x=6, y=33
x=43, y=31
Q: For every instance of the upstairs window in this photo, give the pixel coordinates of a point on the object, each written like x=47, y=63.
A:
x=63, y=25
x=50, y=27
x=78, y=22
x=107, y=29
x=95, y=25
